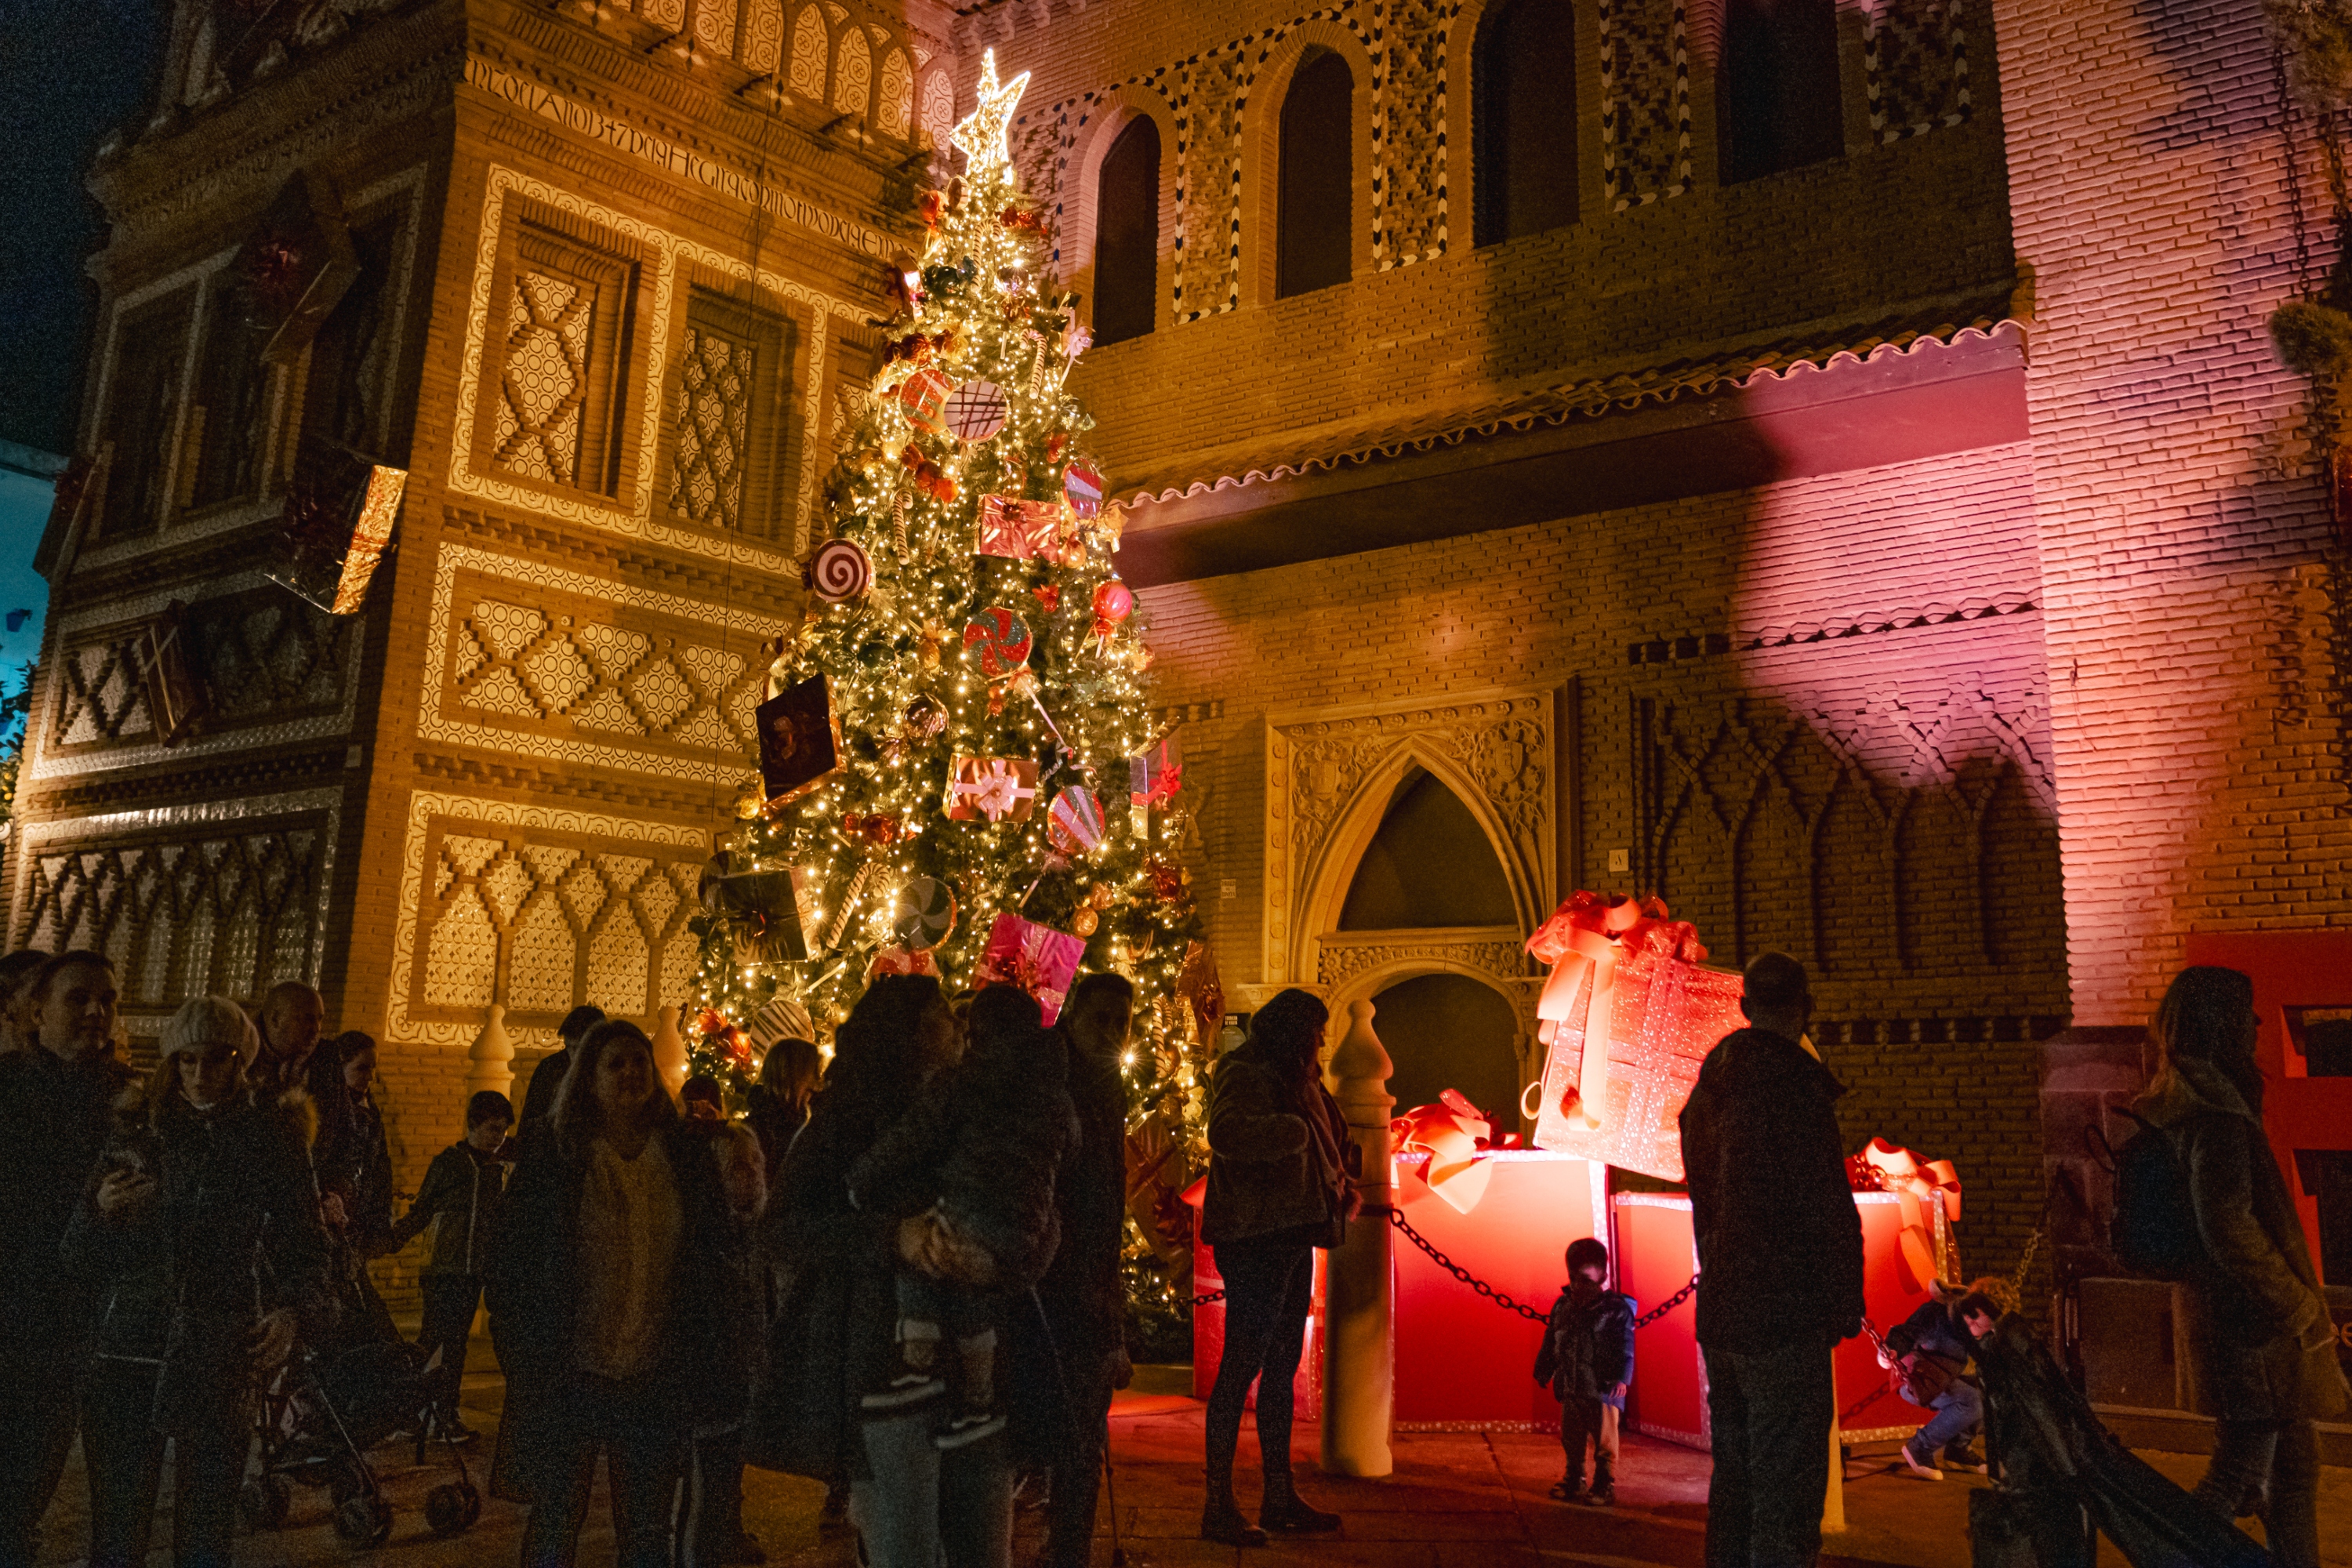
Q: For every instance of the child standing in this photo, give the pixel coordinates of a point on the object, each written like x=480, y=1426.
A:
x=1587, y=1358
x=458, y=1200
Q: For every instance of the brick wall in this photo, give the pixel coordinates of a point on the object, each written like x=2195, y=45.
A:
x=2195, y=602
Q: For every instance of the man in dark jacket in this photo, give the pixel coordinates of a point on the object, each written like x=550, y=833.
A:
x=1085, y=1304
x=1933, y=1347
x=1779, y=1256
x=458, y=1201
x=56, y=1112
x=293, y=1018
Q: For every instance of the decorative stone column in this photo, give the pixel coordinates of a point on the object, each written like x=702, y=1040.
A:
x=1359, y=1338
x=669, y=1047
x=490, y=1063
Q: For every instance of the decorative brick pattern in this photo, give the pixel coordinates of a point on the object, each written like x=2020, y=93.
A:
x=1645, y=116
x=1915, y=67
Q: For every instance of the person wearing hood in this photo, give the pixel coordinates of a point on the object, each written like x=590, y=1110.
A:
x=2267, y=1353
x=201, y=1202
x=1780, y=1257
x=1281, y=1184
x=57, y=1103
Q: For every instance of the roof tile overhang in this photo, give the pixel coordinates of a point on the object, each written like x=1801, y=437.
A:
x=1942, y=375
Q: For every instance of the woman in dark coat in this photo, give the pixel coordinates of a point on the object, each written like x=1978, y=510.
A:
x=777, y=1105
x=615, y=1290
x=1280, y=1185
x=2266, y=1346
x=202, y=1198
x=832, y=1338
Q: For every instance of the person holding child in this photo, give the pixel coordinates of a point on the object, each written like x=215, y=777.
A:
x=457, y=1202
x=1586, y=1358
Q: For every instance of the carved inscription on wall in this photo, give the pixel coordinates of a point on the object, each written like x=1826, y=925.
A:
x=227, y=897
x=541, y=910
x=1329, y=780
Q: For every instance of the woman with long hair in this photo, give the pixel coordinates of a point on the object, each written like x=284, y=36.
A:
x=832, y=1337
x=777, y=1106
x=198, y=1183
x=614, y=1290
x=1281, y=1184
x=2266, y=1346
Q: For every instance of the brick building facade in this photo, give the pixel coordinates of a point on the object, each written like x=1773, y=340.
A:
x=1820, y=463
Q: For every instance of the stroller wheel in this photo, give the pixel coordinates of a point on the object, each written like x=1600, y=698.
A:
x=263, y=1502
x=363, y=1521
x=344, y=1482
x=450, y=1507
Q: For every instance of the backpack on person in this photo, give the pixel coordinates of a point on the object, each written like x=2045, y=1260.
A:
x=2153, y=1231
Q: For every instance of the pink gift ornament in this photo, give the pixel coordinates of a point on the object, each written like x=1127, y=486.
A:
x=1038, y=959
x=1017, y=529
x=996, y=788
x=1628, y=1015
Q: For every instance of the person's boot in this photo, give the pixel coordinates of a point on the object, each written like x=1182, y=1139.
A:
x=1282, y=1508
x=1925, y=1469
x=1221, y=1519
x=1603, y=1493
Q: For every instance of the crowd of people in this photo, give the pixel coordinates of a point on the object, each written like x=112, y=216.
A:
x=899, y=1272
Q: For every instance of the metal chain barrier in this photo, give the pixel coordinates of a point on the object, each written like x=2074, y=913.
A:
x=1396, y=1218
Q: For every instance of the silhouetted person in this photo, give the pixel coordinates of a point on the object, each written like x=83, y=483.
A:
x=292, y=1016
x=1780, y=1257
x=2266, y=1348
x=55, y=1112
x=547, y=1078
x=1279, y=1186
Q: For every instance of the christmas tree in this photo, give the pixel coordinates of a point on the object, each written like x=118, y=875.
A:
x=961, y=774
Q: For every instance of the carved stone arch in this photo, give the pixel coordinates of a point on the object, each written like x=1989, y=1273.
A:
x=1267, y=85
x=1361, y=966
x=1329, y=778
x=1111, y=113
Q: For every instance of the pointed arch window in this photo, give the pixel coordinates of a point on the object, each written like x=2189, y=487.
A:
x=1524, y=113
x=1430, y=864
x=1127, y=233
x=1777, y=104
x=1315, y=195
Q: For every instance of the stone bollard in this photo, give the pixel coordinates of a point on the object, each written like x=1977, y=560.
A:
x=1358, y=1337
x=670, y=1048
x=490, y=1063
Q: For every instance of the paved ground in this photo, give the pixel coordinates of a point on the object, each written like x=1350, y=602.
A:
x=1470, y=1500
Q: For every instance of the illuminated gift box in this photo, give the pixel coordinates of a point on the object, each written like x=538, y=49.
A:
x=1629, y=982
x=1654, y=1259
x=1460, y=1359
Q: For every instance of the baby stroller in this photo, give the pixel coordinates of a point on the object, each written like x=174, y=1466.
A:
x=321, y=1413
x=2064, y=1479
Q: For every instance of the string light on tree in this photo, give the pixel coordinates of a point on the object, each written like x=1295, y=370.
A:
x=962, y=728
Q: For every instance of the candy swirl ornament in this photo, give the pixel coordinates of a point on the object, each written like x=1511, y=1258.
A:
x=926, y=914
x=1003, y=639
x=839, y=572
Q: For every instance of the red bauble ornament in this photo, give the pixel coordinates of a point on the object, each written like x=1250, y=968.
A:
x=1050, y=595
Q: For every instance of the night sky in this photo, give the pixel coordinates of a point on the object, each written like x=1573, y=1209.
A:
x=70, y=72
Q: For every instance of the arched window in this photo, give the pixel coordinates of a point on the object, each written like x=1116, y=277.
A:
x=1524, y=111
x=1777, y=103
x=1316, y=194
x=1127, y=233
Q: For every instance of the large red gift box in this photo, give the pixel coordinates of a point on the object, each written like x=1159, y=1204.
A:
x=1209, y=1329
x=1460, y=1359
x=1624, y=973
x=1654, y=1259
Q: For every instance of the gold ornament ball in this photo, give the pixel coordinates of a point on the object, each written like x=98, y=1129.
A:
x=1083, y=923
x=1102, y=895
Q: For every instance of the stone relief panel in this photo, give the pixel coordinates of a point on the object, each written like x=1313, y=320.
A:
x=1329, y=777
x=226, y=898
x=1915, y=67
x=273, y=668
x=529, y=658
x=538, y=910
x=1893, y=833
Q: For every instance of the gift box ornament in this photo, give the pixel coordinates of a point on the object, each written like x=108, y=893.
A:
x=901, y=961
x=761, y=911
x=924, y=395
x=294, y=269
x=1075, y=821
x=1016, y=530
x=1927, y=1194
x=995, y=789
x=1083, y=486
x=338, y=520
x=1036, y=958
x=176, y=699
x=1627, y=1015
x=800, y=741
x=1154, y=778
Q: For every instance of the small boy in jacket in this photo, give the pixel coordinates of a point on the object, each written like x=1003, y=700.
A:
x=1587, y=1358
x=459, y=1201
